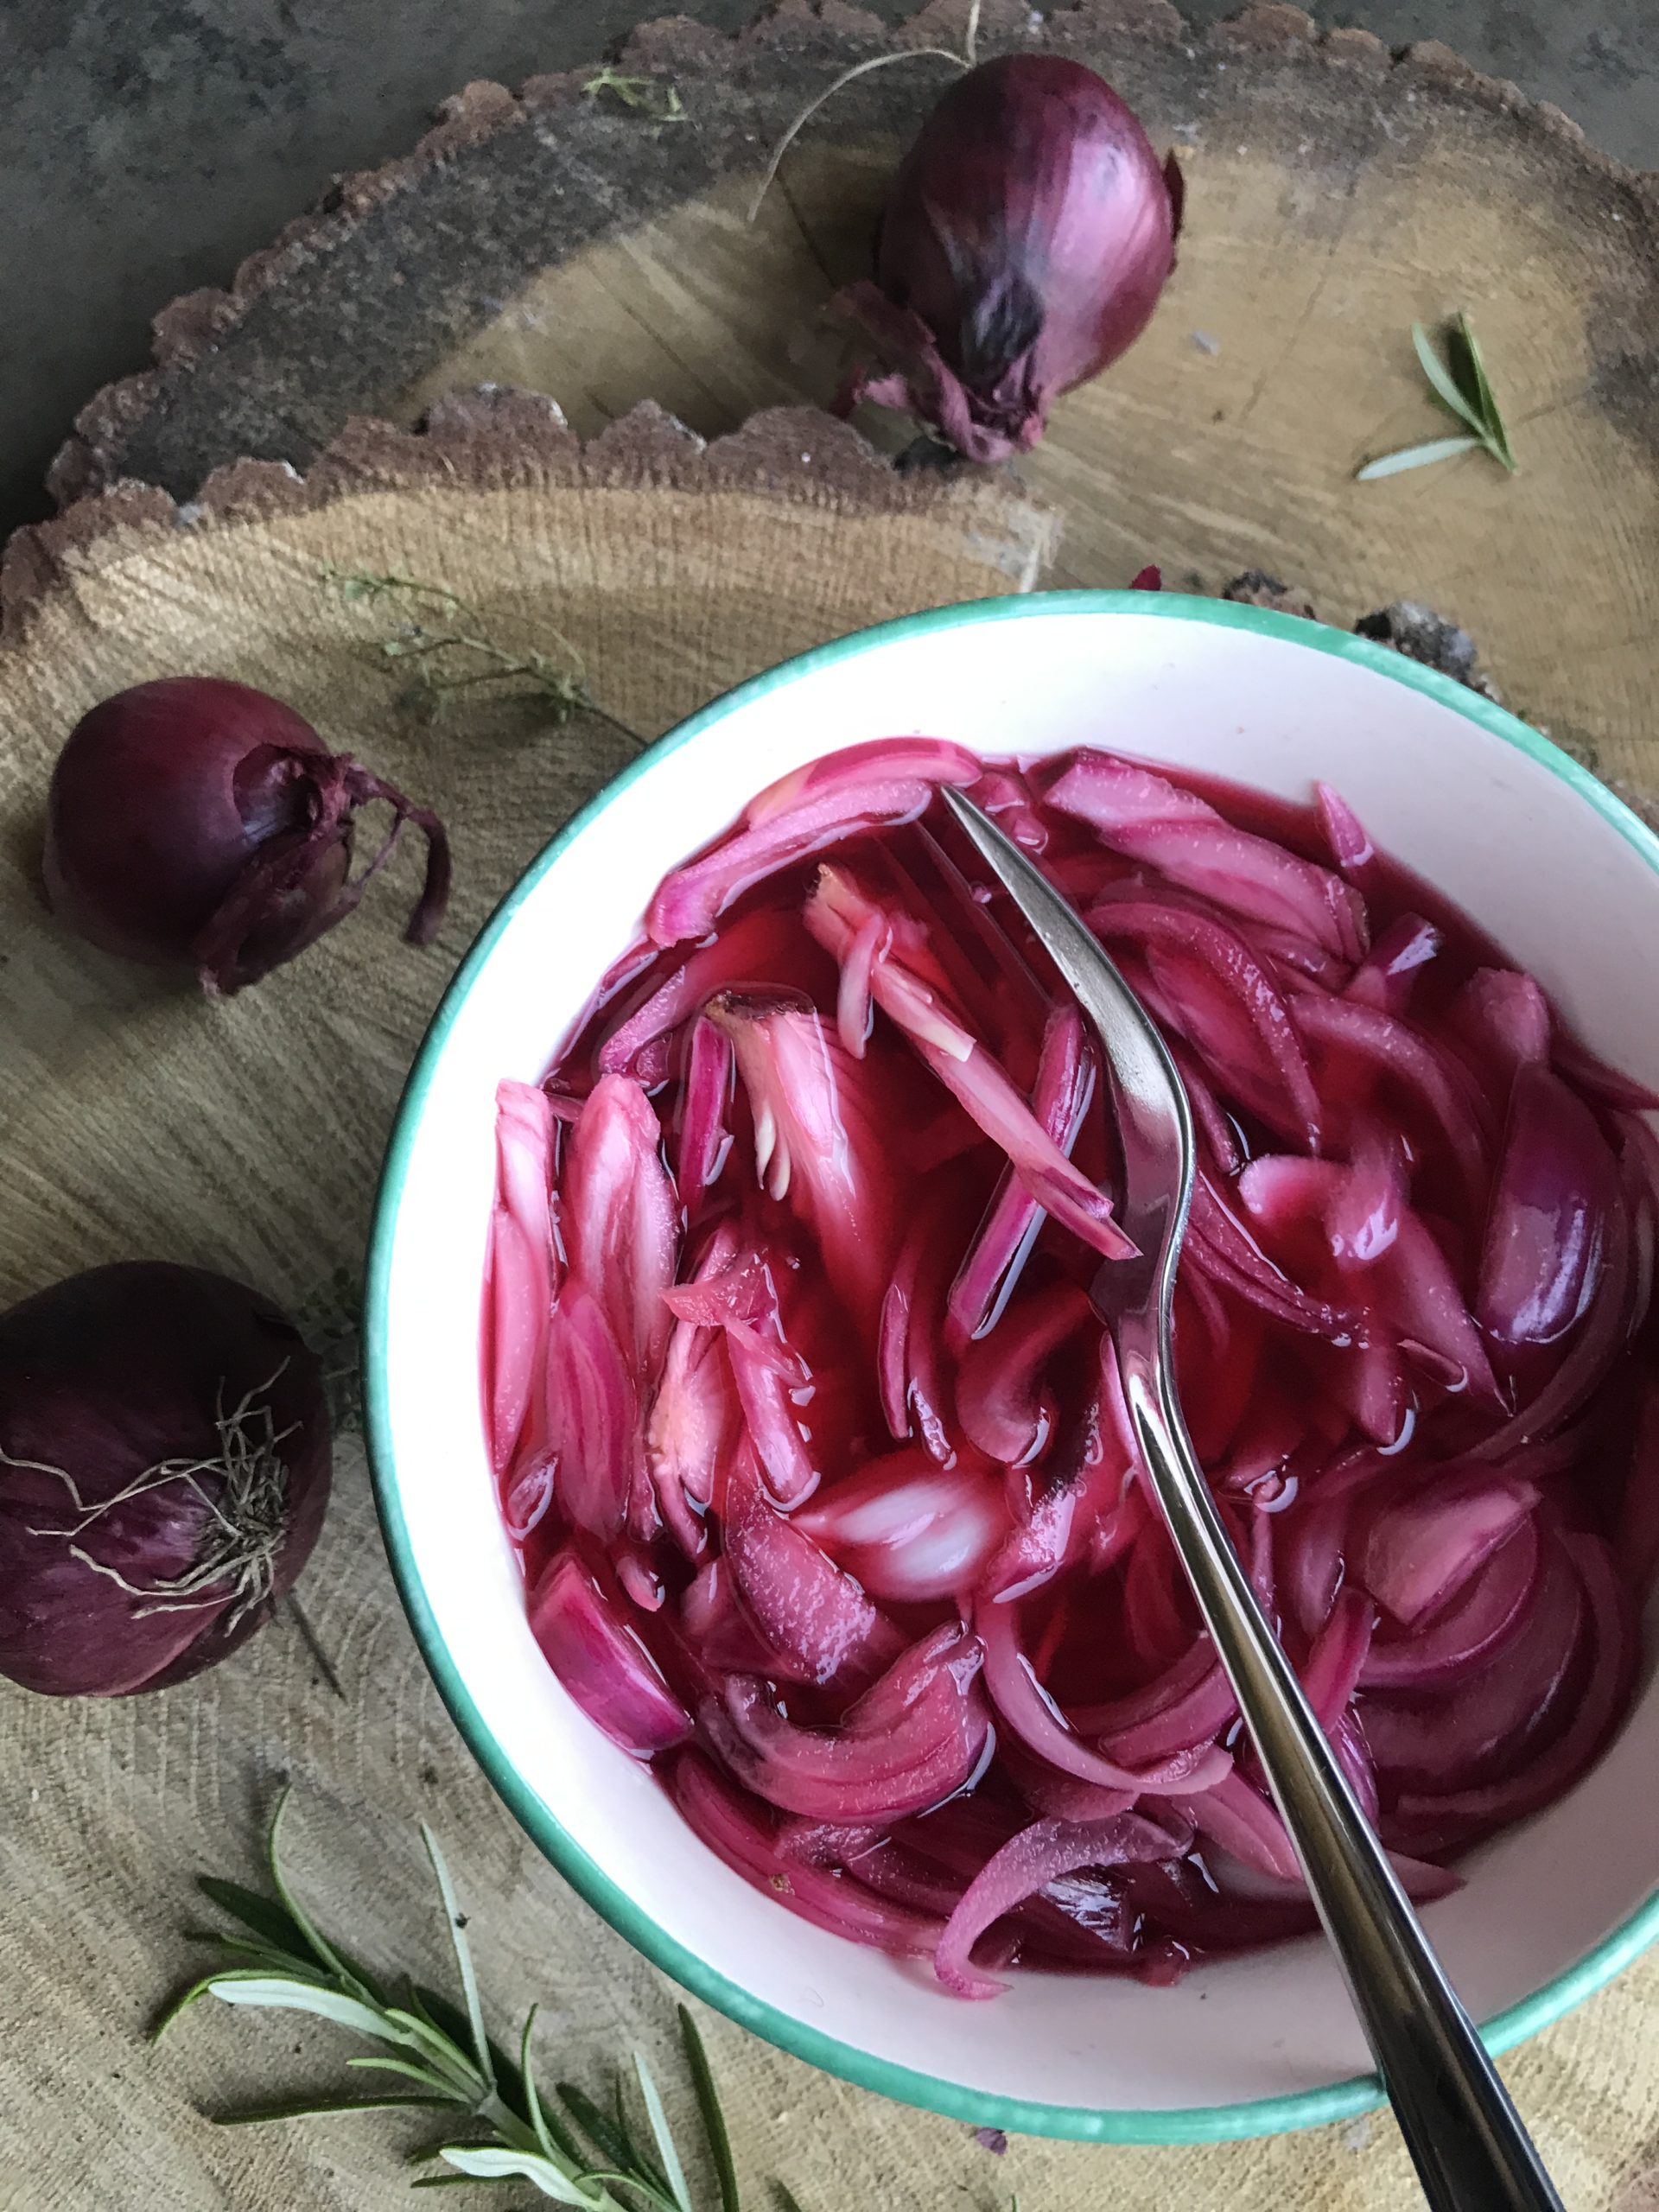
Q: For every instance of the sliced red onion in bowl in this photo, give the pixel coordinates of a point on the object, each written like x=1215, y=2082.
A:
x=910, y=1530
x=717, y=1813
x=816, y=807
x=523, y=1261
x=1025, y=1866
x=987, y=1275
x=914, y=1738
x=1422, y=1549
x=602, y=1662
x=1387, y=977
x=809, y=1434
x=1145, y=816
x=1557, y=1183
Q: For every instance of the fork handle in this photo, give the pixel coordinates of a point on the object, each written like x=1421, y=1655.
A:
x=1472, y=2152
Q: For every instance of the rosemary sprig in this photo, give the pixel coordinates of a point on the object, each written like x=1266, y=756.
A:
x=569, y=2147
x=647, y=96
x=1461, y=386
x=444, y=646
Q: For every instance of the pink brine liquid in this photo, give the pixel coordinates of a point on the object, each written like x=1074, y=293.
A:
x=811, y=1441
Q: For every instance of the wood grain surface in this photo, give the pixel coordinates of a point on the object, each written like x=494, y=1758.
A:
x=137, y=1119
x=134, y=1119
x=558, y=239
x=563, y=242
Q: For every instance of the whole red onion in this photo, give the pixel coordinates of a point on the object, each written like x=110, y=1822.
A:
x=195, y=822
x=1028, y=236
x=164, y=1463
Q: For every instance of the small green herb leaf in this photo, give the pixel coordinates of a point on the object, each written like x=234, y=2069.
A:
x=1469, y=368
x=312, y=2107
x=313, y=1941
x=595, y=2123
x=1445, y=385
x=713, y=2120
x=491, y=2164
x=555, y=2140
x=647, y=96
x=662, y=2135
x=288, y=1996
x=408, y=2069
x=1463, y=387
x=463, y=2181
x=269, y=1922
x=191, y=1994
x=1395, y=464
x=463, y=1954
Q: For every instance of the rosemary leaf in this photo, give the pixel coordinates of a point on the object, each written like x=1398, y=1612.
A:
x=284, y=1994
x=663, y=2133
x=267, y=1921
x=191, y=1994
x=1460, y=384
x=1394, y=464
x=785, y=2197
x=435, y=2009
x=1466, y=410
x=249, y=1952
x=407, y=2068
x=463, y=1954
x=1470, y=367
x=312, y=2107
x=713, y=2120
x=313, y=1941
x=610, y=2141
x=492, y=2162
x=640, y=2160
x=555, y=2140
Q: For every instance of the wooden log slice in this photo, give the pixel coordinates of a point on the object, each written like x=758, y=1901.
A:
x=561, y=239
x=135, y=1118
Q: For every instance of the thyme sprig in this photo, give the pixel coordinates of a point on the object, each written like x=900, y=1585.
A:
x=1461, y=386
x=444, y=646
x=651, y=97
x=443, y=2060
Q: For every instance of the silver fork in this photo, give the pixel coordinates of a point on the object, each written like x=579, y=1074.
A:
x=1472, y=2152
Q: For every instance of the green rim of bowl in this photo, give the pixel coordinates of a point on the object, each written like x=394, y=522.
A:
x=1195, y=2124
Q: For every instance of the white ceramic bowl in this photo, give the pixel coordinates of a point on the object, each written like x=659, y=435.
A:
x=1521, y=836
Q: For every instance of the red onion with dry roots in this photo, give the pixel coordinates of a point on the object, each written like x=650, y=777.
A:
x=197, y=823
x=164, y=1465
x=1030, y=232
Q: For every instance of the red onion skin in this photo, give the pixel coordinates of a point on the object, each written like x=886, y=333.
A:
x=193, y=823
x=1030, y=231
x=104, y=1375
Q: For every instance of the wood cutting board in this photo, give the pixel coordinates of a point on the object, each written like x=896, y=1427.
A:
x=558, y=239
